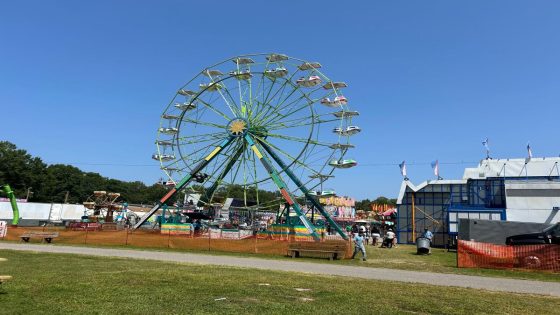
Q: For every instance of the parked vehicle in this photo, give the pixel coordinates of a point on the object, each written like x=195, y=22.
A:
x=550, y=235
x=546, y=256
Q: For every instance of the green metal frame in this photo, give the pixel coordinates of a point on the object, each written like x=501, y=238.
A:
x=185, y=181
x=282, y=187
x=304, y=190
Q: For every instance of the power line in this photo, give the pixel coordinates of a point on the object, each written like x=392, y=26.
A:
x=360, y=164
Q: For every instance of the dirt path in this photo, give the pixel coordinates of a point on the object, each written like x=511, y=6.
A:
x=486, y=283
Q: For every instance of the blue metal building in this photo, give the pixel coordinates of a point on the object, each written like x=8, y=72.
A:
x=524, y=190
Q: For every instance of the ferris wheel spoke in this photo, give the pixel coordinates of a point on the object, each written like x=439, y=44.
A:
x=310, y=101
x=204, y=136
x=237, y=108
x=212, y=108
x=303, y=122
x=298, y=139
x=279, y=107
x=273, y=109
x=278, y=115
x=205, y=148
x=256, y=98
x=280, y=90
x=289, y=156
x=204, y=123
x=288, y=80
x=299, y=119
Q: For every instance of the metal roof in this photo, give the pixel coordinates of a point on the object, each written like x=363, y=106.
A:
x=535, y=167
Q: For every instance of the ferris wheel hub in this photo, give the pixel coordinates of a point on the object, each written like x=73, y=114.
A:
x=237, y=127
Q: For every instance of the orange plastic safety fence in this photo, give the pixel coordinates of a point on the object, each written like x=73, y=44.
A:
x=213, y=240
x=483, y=255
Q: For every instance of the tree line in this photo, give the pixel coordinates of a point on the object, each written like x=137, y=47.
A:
x=57, y=183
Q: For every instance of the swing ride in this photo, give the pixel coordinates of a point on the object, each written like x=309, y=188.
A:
x=260, y=122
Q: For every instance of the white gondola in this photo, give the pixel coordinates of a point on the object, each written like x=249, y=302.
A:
x=328, y=193
x=276, y=57
x=243, y=61
x=163, y=157
x=347, y=163
x=352, y=130
x=313, y=193
x=339, y=100
x=185, y=106
x=348, y=131
x=344, y=114
x=211, y=86
x=164, y=142
x=329, y=103
x=309, y=66
x=170, y=169
x=276, y=73
x=186, y=92
x=170, y=117
x=342, y=146
x=241, y=75
x=212, y=73
x=334, y=85
x=309, y=82
x=169, y=131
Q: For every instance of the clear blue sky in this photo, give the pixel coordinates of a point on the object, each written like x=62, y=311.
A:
x=84, y=82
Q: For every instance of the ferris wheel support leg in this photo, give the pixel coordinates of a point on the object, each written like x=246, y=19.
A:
x=282, y=187
x=304, y=190
x=184, y=181
x=210, y=192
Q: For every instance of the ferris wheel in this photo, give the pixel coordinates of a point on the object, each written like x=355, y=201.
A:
x=224, y=127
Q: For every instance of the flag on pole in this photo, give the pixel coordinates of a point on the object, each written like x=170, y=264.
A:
x=529, y=152
x=402, y=166
x=486, y=144
x=435, y=167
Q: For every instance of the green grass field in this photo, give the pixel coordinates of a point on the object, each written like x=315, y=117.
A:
x=55, y=283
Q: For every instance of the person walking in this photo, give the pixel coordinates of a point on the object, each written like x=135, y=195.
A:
x=359, y=246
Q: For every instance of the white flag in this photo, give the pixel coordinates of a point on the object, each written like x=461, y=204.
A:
x=486, y=144
x=435, y=167
x=403, y=169
x=529, y=152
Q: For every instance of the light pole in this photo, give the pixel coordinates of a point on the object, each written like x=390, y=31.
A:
x=29, y=193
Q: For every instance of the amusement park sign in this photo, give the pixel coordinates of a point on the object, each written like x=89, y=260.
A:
x=338, y=201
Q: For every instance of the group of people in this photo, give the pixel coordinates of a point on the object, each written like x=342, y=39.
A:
x=361, y=235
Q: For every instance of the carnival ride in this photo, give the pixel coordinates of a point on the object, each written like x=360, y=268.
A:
x=102, y=204
x=229, y=123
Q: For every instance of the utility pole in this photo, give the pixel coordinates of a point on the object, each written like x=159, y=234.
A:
x=29, y=193
x=66, y=197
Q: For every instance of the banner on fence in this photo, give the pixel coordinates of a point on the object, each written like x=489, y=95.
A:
x=176, y=228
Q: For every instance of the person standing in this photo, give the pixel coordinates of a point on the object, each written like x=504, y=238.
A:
x=375, y=235
x=389, y=236
x=359, y=246
x=428, y=234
